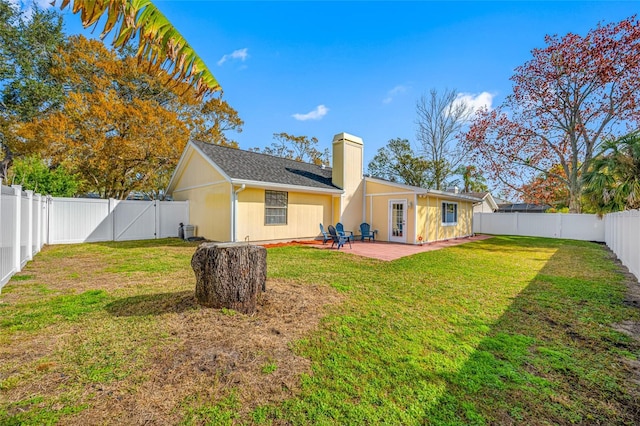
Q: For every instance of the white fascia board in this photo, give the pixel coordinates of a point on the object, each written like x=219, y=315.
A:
x=453, y=195
x=492, y=202
x=285, y=187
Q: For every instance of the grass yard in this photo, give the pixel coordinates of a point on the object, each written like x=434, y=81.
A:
x=502, y=331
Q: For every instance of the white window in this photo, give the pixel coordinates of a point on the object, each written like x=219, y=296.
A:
x=275, y=207
x=449, y=213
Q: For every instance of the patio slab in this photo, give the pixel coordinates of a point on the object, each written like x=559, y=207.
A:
x=392, y=251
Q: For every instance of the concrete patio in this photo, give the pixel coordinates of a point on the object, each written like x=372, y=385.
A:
x=392, y=251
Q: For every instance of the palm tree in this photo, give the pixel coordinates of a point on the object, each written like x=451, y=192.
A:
x=613, y=180
x=159, y=42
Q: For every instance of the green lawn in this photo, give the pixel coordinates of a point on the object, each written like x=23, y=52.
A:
x=501, y=331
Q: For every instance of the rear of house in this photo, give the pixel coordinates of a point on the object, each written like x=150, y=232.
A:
x=238, y=195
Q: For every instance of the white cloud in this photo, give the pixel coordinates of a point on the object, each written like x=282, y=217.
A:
x=241, y=54
x=393, y=93
x=316, y=114
x=481, y=100
x=26, y=6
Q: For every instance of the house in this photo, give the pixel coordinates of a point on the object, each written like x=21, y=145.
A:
x=488, y=204
x=238, y=195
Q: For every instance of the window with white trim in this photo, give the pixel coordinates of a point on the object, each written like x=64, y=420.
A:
x=275, y=207
x=449, y=213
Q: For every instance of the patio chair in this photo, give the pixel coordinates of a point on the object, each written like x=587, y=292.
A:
x=366, y=232
x=338, y=239
x=325, y=236
x=340, y=230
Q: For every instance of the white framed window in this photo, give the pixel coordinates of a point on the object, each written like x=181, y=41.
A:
x=275, y=207
x=449, y=213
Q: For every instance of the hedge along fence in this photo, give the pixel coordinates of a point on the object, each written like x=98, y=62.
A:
x=620, y=231
x=28, y=221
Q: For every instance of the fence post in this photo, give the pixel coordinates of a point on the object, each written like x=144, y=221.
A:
x=112, y=216
x=17, y=192
x=38, y=230
x=156, y=205
x=29, y=224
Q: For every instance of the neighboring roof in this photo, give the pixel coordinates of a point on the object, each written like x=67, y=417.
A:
x=424, y=191
x=254, y=168
x=522, y=208
x=485, y=196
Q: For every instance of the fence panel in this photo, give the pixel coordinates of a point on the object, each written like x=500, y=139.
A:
x=586, y=227
x=623, y=238
x=170, y=215
x=79, y=220
x=7, y=233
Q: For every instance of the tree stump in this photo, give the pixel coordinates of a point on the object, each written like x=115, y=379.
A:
x=230, y=275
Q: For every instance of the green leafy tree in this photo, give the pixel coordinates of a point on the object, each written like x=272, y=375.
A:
x=27, y=89
x=472, y=179
x=397, y=162
x=34, y=174
x=612, y=182
x=299, y=148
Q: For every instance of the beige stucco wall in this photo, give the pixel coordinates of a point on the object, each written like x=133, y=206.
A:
x=430, y=224
x=209, y=196
x=304, y=214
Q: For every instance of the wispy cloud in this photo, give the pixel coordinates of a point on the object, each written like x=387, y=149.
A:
x=391, y=94
x=316, y=114
x=241, y=54
x=476, y=101
x=26, y=6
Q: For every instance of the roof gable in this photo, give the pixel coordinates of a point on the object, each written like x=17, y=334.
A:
x=247, y=166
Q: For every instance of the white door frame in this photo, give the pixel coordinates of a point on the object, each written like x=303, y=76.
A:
x=398, y=238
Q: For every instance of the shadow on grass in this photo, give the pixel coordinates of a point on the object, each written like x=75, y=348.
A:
x=153, y=304
x=158, y=243
x=552, y=357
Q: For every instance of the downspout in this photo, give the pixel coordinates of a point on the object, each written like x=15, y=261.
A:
x=234, y=218
x=364, y=200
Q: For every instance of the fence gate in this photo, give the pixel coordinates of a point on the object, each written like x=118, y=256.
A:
x=134, y=220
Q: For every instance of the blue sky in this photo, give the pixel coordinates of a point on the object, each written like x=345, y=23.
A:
x=321, y=68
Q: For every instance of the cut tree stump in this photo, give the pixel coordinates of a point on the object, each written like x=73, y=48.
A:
x=230, y=275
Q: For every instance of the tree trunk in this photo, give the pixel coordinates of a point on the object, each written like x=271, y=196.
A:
x=230, y=275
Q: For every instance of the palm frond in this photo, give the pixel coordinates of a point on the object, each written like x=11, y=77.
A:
x=160, y=43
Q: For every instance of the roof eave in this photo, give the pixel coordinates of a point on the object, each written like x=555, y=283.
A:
x=283, y=186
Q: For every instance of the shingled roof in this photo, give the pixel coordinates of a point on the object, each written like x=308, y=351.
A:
x=242, y=165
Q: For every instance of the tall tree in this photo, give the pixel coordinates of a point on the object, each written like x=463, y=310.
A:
x=27, y=90
x=547, y=188
x=612, y=183
x=573, y=94
x=299, y=148
x=121, y=128
x=397, y=162
x=440, y=118
x=159, y=42
x=472, y=179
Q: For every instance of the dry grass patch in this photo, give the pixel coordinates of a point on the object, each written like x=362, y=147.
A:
x=146, y=352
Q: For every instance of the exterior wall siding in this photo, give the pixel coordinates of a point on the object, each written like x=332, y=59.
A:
x=210, y=210
x=209, y=195
x=305, y=212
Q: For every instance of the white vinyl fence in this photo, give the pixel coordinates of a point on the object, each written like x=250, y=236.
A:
x=587, y=227
x=620, y=231
x=28, y=221
x=622, y=235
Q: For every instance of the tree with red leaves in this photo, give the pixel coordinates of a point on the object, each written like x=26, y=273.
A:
x=571, y=96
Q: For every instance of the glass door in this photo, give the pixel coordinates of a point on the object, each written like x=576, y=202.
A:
x=398, y=221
